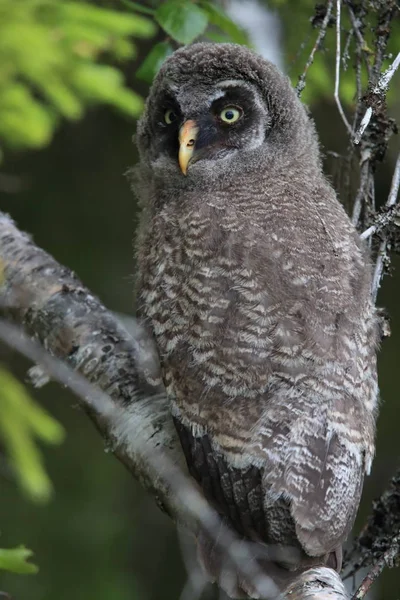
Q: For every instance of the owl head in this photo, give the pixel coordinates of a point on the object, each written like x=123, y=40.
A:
x=218, y=110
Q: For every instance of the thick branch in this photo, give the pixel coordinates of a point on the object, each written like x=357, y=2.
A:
x=53, y=307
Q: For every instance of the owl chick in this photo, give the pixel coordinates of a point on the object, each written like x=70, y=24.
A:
x=256, y=289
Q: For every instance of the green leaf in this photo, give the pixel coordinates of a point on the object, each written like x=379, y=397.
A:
x=115, y=22
x=21, y=420
x=102, y=83
x=183, y=21
x=217, y=17
x=24, y=122
x=66, y=102
x=48, y=77
x=153, y=61
x=15, y=560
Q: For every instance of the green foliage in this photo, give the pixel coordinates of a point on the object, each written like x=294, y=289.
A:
x=153, y=61
x=16, y=561
x=55, y=58
x=184, y=22
x=52, y=55
x=21, y=421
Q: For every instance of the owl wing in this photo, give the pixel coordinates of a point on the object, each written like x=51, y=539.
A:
x=324, y=512
x=295, y=477
x=326, y=464
x=321, y=477
x=305, y=496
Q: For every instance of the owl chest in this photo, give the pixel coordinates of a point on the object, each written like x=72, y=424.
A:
x=182, y=291
x=208, y=313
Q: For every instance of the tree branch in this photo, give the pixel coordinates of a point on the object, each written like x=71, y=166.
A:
x=379, y=537
x=384, y=248
x=321, y=35
x=387, y=559
x=337, y=68
x=53, y=307
x=376, y=97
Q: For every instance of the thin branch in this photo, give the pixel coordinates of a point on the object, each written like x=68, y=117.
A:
x=321, y=35
x=394, y=188
x=362, y=44
x=383, y=253
x=337, y=72
x=376, y=95
x=365, y=179
x=388, y=559
x=383, y=220
x=363, y=125
x=196, y=580
x=383, y=83
x=376, y=536
x=346, y=50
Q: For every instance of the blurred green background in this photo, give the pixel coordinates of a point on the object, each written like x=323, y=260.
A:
x=66, y=142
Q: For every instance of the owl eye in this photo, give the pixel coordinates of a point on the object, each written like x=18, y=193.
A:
x=170, y=116
x=230, y=114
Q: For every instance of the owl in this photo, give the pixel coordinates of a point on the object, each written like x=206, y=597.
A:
x=256, y=289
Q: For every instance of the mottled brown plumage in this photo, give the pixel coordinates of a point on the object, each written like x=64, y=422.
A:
x=257, y=291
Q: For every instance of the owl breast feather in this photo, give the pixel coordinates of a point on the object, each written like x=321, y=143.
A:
x=263, y=343
x=238, y=310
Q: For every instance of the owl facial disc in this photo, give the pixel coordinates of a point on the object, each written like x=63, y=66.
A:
x=187, y=139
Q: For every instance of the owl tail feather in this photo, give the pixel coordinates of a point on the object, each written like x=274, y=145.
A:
x=262, y=575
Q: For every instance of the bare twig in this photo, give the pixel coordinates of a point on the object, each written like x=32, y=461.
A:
x=337, y=71
x=321, y=35
x=384, y=81
x=363, y=125
x=376, y=95
x=388, y=558
x=382, y=221
x=365, y=184
x=387, y=217
x=377, y=534
x=362, y=44
x=383, y=254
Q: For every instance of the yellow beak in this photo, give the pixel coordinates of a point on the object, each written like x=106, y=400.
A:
x=187, y=139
